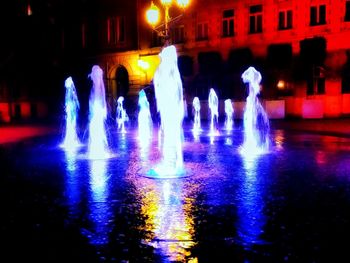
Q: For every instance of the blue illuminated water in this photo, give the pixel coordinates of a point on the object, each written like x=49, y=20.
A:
x=288, y=205
x=255, y=119
x=71, y=107
x=170, y=105
x=98, y=141
x=122, y=116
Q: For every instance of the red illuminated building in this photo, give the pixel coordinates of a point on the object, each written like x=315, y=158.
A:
x=300, y=47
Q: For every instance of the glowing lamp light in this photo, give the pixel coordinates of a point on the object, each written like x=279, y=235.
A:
x=281, y=84
x=29, y=10
x=143, y=64
x=183, y=3
x=152, y=15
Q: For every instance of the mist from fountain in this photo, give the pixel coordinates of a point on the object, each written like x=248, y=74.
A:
x=256, y=122
x=229, y=115
x=121, y=117
x=213, y=103
x=169, y=96
x=145, y=124
x=71, y=140
x=197, y=117
x=98, y=145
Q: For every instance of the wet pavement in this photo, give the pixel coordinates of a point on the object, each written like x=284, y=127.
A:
x=288, y=205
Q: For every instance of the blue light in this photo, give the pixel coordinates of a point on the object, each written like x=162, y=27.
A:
x=213, y=102
x=145, y=124
x=98, y=146
x=229, y=115
x=256, y=123
x=197, y=117
x=99, y=206
x=71, y=141
x=251, y=219
x=170, y=104
x=121, y=117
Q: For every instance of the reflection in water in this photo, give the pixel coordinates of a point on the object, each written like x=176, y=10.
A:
x=251, y=219
x=228, y=141
x=122, y=143
x=72, y=191
x=100, y=213
x=321, y=157
x=279, y=139
x=167, y=210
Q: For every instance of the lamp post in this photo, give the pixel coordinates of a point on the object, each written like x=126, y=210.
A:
x=152, y=16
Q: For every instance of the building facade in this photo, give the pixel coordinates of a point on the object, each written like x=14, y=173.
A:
x=301, y=49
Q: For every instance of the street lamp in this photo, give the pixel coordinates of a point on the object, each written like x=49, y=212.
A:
x=152, y=16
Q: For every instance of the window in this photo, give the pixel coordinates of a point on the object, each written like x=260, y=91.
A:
x=227, y=23
x=285, y=20
x=317, y=83
x=345, y=85
x=317, y=15
x=347, y=11
x=178, y=34
x=202, y=31
x=115, y=30
x=255, y=19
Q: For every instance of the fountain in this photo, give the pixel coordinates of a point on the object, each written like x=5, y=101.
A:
x=229, y=115
x=122, y=117
x=256, y=122
x=197, y=117
x=98, y=144
x=144, y=119
x=71, y=141
x=169, y=96
x=214, y=111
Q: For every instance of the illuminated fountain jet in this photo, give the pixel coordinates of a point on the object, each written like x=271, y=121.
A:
x=98, y=145
x=169, y=96
x=71, y=140
x=197, y=116
x=144, y=119
x=214, y=111
x=122, y=117
x=256, y=122
x=229, y=115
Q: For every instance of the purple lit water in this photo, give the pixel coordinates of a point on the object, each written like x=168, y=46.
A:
x=289, y=205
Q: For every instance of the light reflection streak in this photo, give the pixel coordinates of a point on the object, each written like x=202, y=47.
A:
x=279, y=139
x=100, y=213
x=251, y=219
x=72, y=190
x=321, y=157
x=167, y=210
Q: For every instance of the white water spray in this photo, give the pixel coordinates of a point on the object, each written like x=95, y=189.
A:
x=256, y=122
x=229, y=115
x=144, y=119
x=121, y=117
x=71, y=141
x=169, y=96
x=197, y=117
x=213, y=103
x=98, y=146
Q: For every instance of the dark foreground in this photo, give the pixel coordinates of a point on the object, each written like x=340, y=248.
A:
x=289, y=205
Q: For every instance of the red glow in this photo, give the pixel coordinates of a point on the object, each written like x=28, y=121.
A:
x=15, y=134
x=29, y=10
